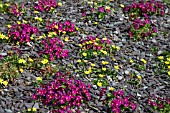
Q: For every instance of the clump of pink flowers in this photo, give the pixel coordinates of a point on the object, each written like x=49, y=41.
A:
x=66, y=27
x=16, y=9
x=118, y=102
x=63, y=93
x=45, y=5
x=22, y=32
x=53, y=48
x=159, y=104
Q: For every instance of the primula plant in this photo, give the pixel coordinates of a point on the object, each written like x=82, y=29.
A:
x=53, y=48
x=142, y=29
x=3, y=7
x=145, y=9
x=118, y=102
x=93, y=46
x=63, y=94
x=60, y=28
x=159, y=104
x=163, y=65
x=22, y=33
x=96, y=9
x=45, y=5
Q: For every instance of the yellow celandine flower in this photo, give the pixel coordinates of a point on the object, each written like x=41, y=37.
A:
x=168, y=67
x=17, y=43
x=24, y=21
x=94, y=53
x=111, y=88
x=2, y=36
x=87, y=42
x=131, y=61
x=85, y=61
x=139, y=77
x=77, y=28
x=59, y=4
x=169, y=73
x=18, y=22
x=1, y=80
x=99, y=84
x=104, y=38
x=90, y=42
x=160, y=57
x=56, y=26
x=107, y=8
x=1, y=6
x=97, y=39
x=21, y=70
x=45, y=61
x=29, y=109
x=105, y=62
x=93, y=65
x=80, y=45
x=113, y=59
x=122, y=6
x=5, y=83
x=38, y=78
x=101, y=75
x=96, y=23
x=87, y=72
x=116, y=67
x=104, y=52
x=21, y=61
x=66, y=39
x=9, y=26
x=84, y=54
x=104, y=69
x=79, y=60
x=34, y=109
x=36, y=12
x=7, y=4
x=166, y=62
x=30, y=60
x=168, y=59
x=113, y=46
x=38, y=18
x=117, y=47
x=144, y=61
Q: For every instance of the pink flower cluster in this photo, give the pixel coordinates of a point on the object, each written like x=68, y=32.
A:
x=62, y=28
x=45, y=5
x=22, y=32
x=64, y=93
x=54, y=48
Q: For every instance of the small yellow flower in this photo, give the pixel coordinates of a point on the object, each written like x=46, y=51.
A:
x=116, y=67
x=95, y=23
x=21, y=61
x=169, y=73
x=101, y=75
x=5, y=83
x=113, y=46
x=66, y=39
x=38, y=78
x=24, y=21
x=93, y=65
x=168, y=67
x=84, y=54
x=105, y=52
x=113, y=59
x=21, y=70
x=97, y=39
x=85, y=61
x=36, y=12
x=96, y=44
x=104, y=69
x=1, y=80
x=18, y=22
x=105, y=62
x=144, y=61
x=107, y=8
x=34, y=109
x=30, y=60
x=56, y=26
x=160, y=57
x=80, y=45
x=122, y=6
x=45, y=61
x=104, y=38
x=117, y=47
x=87, y=72
x=9, y=26
x=139, y=77
x=7, y=4
x=29, y=109
x=79, y=60
x=131, y=61
x=1, y=6
x=99, y=84
x=168, y=59
x=111, y=88
x=59, y=4
x=166, y=62
x=64, y=32
x=94, y=53
x=77, y=28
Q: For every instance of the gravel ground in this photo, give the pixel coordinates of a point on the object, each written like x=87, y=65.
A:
x=16, y=97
